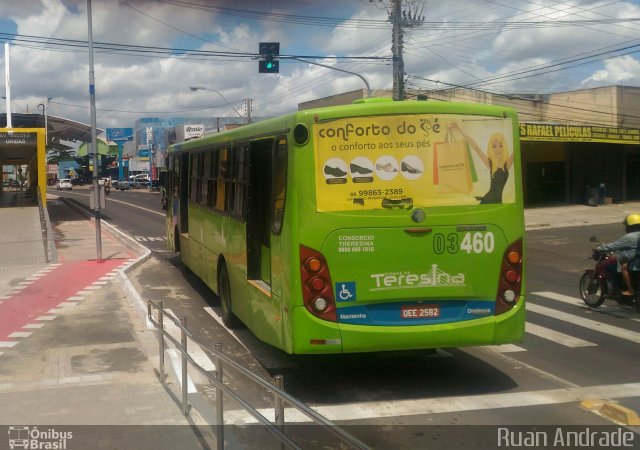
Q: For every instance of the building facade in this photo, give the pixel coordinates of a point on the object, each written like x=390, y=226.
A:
x=571, y=142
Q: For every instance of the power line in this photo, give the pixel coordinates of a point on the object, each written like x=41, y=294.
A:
x=443, y=40
x=555, y=66
x=337, y=22
x=158, y=51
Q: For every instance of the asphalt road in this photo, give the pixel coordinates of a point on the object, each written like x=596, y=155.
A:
x=569, y=353
x=136, y=212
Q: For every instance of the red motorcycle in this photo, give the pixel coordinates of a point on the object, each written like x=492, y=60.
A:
x=605, y=281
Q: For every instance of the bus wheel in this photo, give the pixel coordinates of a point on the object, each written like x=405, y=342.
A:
x=224, y=294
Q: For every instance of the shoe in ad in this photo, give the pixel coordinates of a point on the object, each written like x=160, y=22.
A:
x=359, y=169
x=406, y=167
x=334, y=171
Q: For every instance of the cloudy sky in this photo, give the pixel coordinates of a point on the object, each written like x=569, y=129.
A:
x=145, y=57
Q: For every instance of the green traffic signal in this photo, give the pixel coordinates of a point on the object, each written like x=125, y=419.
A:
x=268, y=66
x=268, y=54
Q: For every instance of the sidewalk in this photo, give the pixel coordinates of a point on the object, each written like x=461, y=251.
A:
x=577, y=215
x=73, y=348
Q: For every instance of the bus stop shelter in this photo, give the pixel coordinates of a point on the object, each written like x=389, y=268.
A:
x=27, y=142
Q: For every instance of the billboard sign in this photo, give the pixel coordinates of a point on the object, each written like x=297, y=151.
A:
x=119, y=134
x=193, y=131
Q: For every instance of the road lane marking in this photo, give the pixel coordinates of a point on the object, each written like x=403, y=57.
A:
x=163, y=214
x=420, y=407
x=556, y=336
x=579, y=302
x=561, y=298
x=506, y=348
x=20, y=334
x=593, y=325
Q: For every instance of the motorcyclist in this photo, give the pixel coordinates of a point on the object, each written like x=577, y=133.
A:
x=626, y=249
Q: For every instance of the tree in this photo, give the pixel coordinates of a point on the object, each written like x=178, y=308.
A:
x=55, y=156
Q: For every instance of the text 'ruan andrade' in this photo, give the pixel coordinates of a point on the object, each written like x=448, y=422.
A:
x=565, y=438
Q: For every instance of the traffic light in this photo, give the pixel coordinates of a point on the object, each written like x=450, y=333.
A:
x=270, y=51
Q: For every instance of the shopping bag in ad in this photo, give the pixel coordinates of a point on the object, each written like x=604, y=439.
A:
x=453, y=167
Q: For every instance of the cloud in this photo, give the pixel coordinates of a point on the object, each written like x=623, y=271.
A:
x=624, y=69
x=131, y=85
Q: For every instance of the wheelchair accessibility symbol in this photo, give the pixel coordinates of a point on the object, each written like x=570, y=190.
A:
x=346, y=291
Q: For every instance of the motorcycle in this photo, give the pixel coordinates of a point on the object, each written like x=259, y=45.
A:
x=605, y=281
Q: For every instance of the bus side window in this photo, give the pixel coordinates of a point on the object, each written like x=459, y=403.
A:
x=205, y=174
x=279, y=184
x=193, y=188
x=239, y=180
x=175, y=174
x=222, y=175
x=199, y=182
x=210, y=178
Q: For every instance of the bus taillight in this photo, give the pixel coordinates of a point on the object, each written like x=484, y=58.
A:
x=317, y=293
x=510, y=278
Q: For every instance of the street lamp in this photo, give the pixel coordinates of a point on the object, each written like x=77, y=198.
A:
x=366, y=83
x=202, y=88
x=45, y=106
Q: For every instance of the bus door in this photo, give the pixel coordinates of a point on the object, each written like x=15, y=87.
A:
x=258, y=211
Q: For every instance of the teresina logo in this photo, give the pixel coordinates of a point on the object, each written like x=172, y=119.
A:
x=434, y=278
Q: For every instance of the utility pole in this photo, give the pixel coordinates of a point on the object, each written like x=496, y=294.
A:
x=396, y=46
x=401, y=19
x=94, y=140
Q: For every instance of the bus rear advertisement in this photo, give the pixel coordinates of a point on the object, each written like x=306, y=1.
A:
x=366, y=227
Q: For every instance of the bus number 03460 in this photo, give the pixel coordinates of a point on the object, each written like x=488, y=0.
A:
x=471, y=243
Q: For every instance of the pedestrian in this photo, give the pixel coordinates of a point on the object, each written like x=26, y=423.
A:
x=602, y=192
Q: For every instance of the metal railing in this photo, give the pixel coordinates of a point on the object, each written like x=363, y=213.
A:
x=276, y=428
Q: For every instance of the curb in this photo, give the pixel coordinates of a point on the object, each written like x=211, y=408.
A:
x=612, y=411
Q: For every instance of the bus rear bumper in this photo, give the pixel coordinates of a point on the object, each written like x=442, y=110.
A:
x=318, y=336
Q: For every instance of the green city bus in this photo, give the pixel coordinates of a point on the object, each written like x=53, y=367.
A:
x=374, y=226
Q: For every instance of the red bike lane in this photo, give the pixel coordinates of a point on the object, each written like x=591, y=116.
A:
x=48, y=292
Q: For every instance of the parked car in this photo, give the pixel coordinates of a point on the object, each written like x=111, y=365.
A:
x=64, y=183
x=139, y=177
x=121, y=185
x=138, y=181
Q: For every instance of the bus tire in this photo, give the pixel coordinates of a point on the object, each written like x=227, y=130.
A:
x=224, y=294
